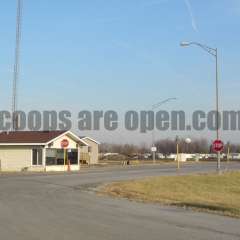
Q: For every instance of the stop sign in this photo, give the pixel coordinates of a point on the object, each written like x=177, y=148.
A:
x=218, y=145
x=64, y=143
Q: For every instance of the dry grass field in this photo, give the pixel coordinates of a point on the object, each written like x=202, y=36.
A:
x=205, y=192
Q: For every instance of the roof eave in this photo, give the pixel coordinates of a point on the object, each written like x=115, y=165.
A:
x=22, y=144
x=91, y=139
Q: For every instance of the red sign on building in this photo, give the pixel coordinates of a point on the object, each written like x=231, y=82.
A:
x=64, y=143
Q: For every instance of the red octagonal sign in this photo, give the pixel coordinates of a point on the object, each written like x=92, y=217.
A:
x=218, y=145
x=64, y=143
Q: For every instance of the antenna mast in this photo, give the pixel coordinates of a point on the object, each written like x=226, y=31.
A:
x=16, y=65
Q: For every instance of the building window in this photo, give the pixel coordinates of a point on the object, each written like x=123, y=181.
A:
x=73, y=156
x=37, y=157
x=56, y=156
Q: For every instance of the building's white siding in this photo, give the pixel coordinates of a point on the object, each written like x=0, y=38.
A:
x=94, y=150
x=57, y=143
x=13, y=158
x=62, y=168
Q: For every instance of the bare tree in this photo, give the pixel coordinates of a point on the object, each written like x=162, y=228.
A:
x=167, y=146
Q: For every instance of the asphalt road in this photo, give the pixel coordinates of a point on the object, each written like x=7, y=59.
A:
x=65, y=206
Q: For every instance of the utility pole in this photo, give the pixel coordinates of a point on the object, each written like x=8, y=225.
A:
x=16, y=65
x=217, y=109
x=177, y=146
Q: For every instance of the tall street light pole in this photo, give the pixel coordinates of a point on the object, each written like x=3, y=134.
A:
x=214, y=53
x=154, y=107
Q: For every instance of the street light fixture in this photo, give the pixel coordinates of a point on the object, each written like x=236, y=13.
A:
x=184, y=44
x=214, y=53
x=188, y=140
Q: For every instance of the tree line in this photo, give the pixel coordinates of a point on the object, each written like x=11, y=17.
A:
x=166, y=146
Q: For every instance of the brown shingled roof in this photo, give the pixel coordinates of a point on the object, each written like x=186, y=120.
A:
x=29, y=136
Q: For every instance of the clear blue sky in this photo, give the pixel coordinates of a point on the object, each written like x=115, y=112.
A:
x=120, y=54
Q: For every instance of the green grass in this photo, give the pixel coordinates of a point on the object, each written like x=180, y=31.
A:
x=207, y=192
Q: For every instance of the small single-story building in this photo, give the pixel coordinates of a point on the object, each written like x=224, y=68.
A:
x=92, y=149
x=42, y=151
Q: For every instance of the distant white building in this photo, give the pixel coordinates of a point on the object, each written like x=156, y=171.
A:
x=160, y=156
x=235, y=156
x=172, y=156
x=110, y=154
x=183, y=157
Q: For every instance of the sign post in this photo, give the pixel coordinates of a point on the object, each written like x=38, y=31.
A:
x=228, y=152
x=64, y=145
x=177, y=151
x=154, y=150
x=218, y=146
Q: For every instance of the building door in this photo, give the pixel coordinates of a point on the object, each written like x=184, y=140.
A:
x=37, y=155
x=72, y=156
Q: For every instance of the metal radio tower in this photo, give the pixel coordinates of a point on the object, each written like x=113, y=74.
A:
x=16, y=65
